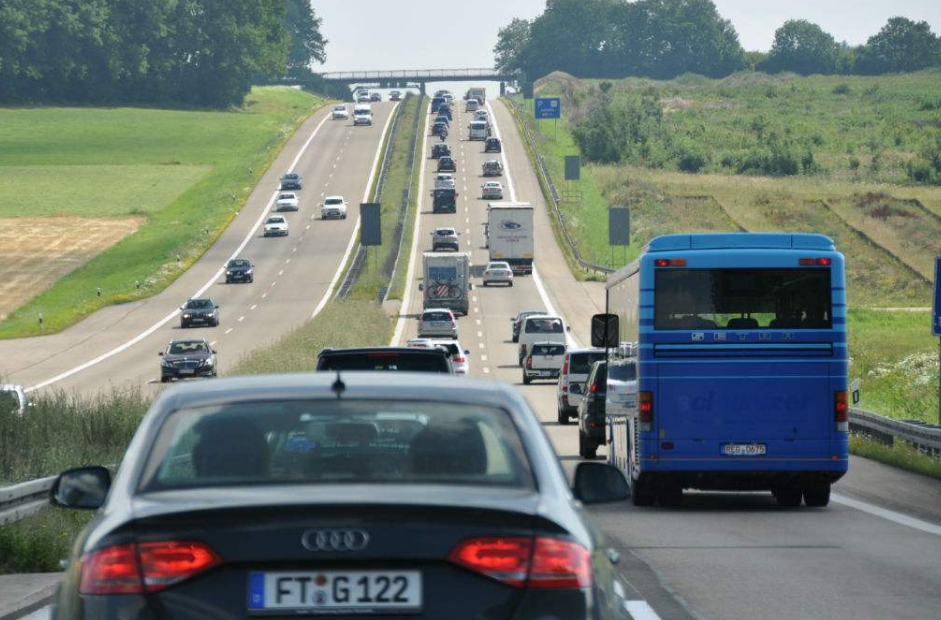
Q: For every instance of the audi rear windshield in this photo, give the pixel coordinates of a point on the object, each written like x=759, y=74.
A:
x=742, y=299
x=336, y=442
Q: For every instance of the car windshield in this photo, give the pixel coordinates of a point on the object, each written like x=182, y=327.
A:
x=451, y=347
x=544, y=326
x=580, y=363
x=622, y=372
x=549, y=349
x=436, y=316
x=286, y=196
x=275, y=220
x=182, y=348
x=526, y=313
x=340, y=108
x=198, y=304
x=336, y=441
x=290, y=175
x=401, y=361
x=333, y=201
x=9, y=402
x=445, y=232
x=238, y=263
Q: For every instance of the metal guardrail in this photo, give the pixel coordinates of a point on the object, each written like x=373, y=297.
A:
x=553, y=196
x=22, y=500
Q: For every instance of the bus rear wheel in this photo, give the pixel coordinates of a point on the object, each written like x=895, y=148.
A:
x=642, y=494
x=671, y=495
x=817, y=495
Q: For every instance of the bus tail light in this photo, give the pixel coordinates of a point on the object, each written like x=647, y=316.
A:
x=645, y=408
x=820, y=262
x=670, y=262
x=841, y=411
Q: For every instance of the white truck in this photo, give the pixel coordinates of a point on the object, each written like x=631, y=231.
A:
x=446, y=281
x=510, y=234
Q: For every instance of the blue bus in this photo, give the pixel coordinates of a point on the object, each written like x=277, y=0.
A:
x=742, y=366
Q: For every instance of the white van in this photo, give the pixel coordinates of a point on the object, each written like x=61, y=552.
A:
x=362, y=114
x=540, y=328
x=478, y=130
x=471, y=105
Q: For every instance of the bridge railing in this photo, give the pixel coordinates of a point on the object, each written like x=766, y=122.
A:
x=415, y=74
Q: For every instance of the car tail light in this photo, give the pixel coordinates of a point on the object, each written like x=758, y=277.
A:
x=593, y=388
x=841, y=411
x=822, y=262
x=526, y=562
x=529, y=362
x=565, y=366
x=645, y=408
x=670, y=262
x=460, y=360
x=144, y=567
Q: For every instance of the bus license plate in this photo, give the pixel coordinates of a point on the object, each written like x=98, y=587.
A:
x=744, y=449
x=335, y=592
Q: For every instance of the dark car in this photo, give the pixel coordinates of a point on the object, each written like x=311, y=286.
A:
x=402, y=359
x=518, y=321
x=183, y=359
x=358, y=494
x=445, y=110
x=436, y=104
x=292, y=180
x=443, y=118
x=439, y=128
x=447, y=164
x=239, y=270
x=493, y=145
x=199, y=312
x=375, y=97
x=591, y=411
x=440, y=150
x=492, y=168
x=444, y=200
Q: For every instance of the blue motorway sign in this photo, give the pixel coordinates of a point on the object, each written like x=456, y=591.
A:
x=548, y=108
x=936, y=318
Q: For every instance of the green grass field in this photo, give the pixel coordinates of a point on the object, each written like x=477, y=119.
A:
x=187, y=171
x=888, y=228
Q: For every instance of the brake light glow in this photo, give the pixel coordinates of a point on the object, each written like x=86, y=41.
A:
x=144, y=567
x=565, y=366
x=822, y=262
x=526, y=562
x=460, y=360
x=670, y=262
x=645, y=408
x=841, y=411
x=529, y=362
x=593, y=388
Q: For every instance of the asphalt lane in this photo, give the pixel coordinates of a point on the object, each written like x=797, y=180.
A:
x=291, y=273
x=720, y=555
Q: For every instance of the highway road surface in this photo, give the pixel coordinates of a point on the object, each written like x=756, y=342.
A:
x=874, y=553
x=118, y=346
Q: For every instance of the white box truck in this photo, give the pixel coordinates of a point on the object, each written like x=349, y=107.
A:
x=446, y=281
x=510, y=234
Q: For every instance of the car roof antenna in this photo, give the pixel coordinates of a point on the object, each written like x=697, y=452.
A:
x=338, y=386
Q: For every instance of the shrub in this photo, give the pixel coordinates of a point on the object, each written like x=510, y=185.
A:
x=691, y=158
x=921, y=171
x=842, y=89
x=854, y=163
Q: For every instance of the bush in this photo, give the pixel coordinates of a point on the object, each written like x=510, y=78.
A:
x=921, y=171
x=854, y=163
x=691, y=158
x=842, y=89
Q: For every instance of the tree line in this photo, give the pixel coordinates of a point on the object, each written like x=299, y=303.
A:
x=665, y=38
x=204, y=53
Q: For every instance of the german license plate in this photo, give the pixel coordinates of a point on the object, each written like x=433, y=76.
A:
x=187, y=371
x=744, y=449
x=335, y=592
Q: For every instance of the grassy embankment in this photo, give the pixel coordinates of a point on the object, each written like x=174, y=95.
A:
x=863, y=132
x=187, y=172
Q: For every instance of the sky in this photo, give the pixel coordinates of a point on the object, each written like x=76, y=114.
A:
x=429, y=34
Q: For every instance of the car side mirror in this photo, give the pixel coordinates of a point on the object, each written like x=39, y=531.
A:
x=466, y=351
x=421, y=286
x=83, y=488
x=470, y=287
x=160, y=354
x=218, y=307
x=600, y=483
x=568, y=328
x=214, y=352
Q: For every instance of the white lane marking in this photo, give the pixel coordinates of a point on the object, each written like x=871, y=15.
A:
x=467, y=220
x=480, y=334
x=287, y=262
x=540, y=288
x=153, y=328
x=474, y=299
x=640, y=610
x=308, y=228
x=294, y=249
x=486, y=370
x=349, y=247
x=213, y=343
x=483, y=358
x=480, y=345
x=476, y=310
x=253, y=306
x=273, y=283
x=467, y=231
x=281, y=272
x=407, y=297
x=241, y=318
x=478, y=321
x=229, y=331
x=263, y=295
x=890, y=515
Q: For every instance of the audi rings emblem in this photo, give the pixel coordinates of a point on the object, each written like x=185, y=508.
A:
x=335, y=540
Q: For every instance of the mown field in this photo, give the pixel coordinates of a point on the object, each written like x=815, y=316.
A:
x=887, y=224
x=186, y=172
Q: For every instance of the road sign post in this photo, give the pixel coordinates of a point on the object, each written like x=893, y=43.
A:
x=936, y=324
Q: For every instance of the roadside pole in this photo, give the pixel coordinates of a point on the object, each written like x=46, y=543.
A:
x=936, y=325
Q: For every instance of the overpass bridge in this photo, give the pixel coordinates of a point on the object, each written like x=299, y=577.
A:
x=393, y=79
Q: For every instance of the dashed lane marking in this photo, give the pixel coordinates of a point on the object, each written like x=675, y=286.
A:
x=229, y=331
x=253, y=306
x=483, y=358
x=480, y=345
x=486, y=370
x=640, y=610
x=480, y=334
x=889, y=515
x=264, y=295
x=213, y=343
x=241, y=318
x=281, y=272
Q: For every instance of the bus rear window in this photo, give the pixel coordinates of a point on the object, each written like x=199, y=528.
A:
x=742, y=299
